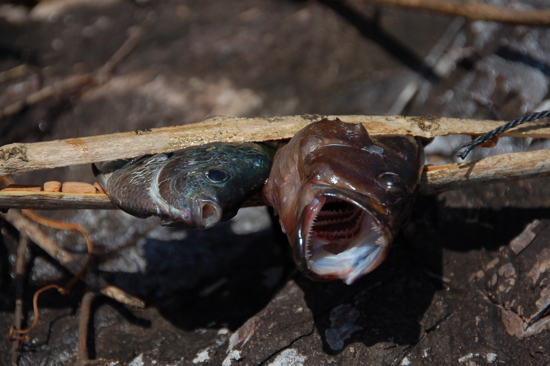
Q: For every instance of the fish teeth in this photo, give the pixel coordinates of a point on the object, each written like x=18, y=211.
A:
x=341, y=220
x=336, y=234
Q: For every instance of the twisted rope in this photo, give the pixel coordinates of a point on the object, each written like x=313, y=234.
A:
x=497, y=131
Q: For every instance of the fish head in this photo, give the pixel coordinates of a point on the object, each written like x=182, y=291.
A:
x=204, y=186
x=354, y=194
x=191, y=198
x=340, y=235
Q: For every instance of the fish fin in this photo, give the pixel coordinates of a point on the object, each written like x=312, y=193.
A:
x=100, y=178
x=112, y=166
x=168, y=222
x=95, y=170
x=107, y=169
x=149, y=159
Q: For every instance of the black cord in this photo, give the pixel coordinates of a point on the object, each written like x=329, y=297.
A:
x=497, y=131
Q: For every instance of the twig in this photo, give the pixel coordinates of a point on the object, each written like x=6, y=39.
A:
x=500, y=168
x=474, y=11
x=77, y=82
x=70, y=201
x=56, y=88
x=84, y=321
x=435, y=179
x=37, y=235
x=63, y=290
x=66, y=259
x=21, y=157
x=103, y=74
x=20, y=265
x=58, y=225
x=14, y=73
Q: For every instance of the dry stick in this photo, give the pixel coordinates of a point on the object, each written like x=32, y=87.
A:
x=21, y=157
x=84, y=321
x=63, y=290
x=14, y=73
x=54, y=224
x=56, y=88
x=53, y=200
x=66, y=259
x=499, y=168
x=103, y=74
x=59, y=225
x=435, y=179
x=83, y=326
x=474, y=11
x=37, y=235
x=77, y=82
x=72, y=201
x=20, y=265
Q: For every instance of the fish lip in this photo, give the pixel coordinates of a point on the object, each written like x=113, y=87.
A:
x=206, y=213
x=364, y=202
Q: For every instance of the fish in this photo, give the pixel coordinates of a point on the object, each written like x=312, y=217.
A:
x=195, y=187
x=342, y=195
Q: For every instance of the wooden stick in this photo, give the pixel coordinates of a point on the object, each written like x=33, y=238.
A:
x=83, y=322
x=14, y=73
x=494, y=169
x=54, y=201
x=474, y=11
x=21, y=157
x=435, y=179
x=70, y=201
x=75, y=82
x=56, y=88
x=66, y=259
x=20, y=267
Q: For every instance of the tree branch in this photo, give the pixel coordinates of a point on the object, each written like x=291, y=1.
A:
x=31, y=229
x=75, y=82
x=494, y=169
x=435, y=179
x=21, y=157
x=474, y=11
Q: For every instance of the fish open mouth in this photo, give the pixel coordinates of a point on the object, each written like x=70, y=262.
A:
x=206, y=213
x=341, y=236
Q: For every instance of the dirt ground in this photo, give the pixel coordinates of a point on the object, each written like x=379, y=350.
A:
x=467, y=280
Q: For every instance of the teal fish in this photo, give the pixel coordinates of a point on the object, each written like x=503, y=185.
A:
x=193, y=187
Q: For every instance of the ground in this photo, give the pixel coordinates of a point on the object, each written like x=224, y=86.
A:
x=464, y=276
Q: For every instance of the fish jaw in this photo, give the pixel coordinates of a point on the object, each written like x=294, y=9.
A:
x=201, y=213
x=340, y=236
x=206, y=213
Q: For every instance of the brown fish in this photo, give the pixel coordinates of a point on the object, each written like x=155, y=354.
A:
x=342, y=196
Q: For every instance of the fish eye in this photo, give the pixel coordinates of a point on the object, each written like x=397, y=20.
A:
x=216, y=175
x=391, y=182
